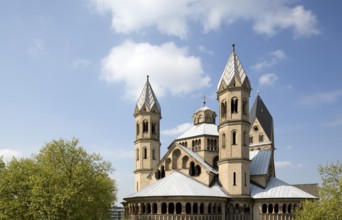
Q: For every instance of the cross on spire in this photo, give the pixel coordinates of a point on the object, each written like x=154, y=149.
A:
x=204, y=99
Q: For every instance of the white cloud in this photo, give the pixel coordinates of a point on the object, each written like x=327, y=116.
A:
x=8, y=154
x=171, y=69
x=276, y=56
x=267, y=79
x=80, y=63
x=173, y=17
x=177, y=130
x=287, y=164
x=321, y=98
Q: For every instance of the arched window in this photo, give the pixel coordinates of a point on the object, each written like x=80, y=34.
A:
x=261, y=137
x=233, y=137
x=276, y=208
x=270, y=208
x=195, y=208
x=138, y=128
x=143, y=208
x=184, y=162
x=178, y=208
x=223, y=140
x=284, y=208
x=209, y=208
x=154, y=208
x=199, y=119
x=245, y=179
x=153, y=154
x=149, y=209
x=244, y=107
x=223, y=108
x=171, y=208
x=192, y=169
x=137, y=156
x=251, y=139
x=175, y=155
x=244, y=138
x=145, y=153
x=163, y=208
x=201, y=209
x=234, y=179
x=167, y=164
x=215, y=160
x=157, y=175
x=188, y=208
x=153, y=128
x=264, y=208
x=162, y=172
x=234, y=105
x=197, y=170
x=145, y=126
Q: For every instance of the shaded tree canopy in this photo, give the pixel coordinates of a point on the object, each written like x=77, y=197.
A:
x=329, y=205
x=63, y=181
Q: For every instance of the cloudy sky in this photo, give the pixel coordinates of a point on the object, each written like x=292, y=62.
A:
x=76, y=68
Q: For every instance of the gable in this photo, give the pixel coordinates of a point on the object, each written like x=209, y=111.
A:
x=182, y=159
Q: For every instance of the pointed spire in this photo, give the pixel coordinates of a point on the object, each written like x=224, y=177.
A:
x=233, y=69
x=260, y=111
x=148, y=98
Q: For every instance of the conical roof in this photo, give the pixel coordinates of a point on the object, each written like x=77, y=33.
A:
x=233, y=69
x=260, y=111
x=148, y=98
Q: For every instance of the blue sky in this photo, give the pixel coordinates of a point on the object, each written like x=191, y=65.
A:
x=76, y=68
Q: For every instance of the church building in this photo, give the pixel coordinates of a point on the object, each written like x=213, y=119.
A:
x=221, y=168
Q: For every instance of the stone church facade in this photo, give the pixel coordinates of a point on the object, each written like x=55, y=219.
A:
x=211, y=172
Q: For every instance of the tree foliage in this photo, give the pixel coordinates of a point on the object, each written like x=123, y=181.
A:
x=328, y=207
x=62, y=182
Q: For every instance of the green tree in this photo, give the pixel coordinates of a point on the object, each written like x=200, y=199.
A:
x=328, y=207
x=62, y=182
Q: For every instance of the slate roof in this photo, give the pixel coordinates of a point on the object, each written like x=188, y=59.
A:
x=260, y=160
x=148, y=98
x=277, y=188
x=178, y=184
x=200, y=129
x=233, y=68
x=199, y=159
x=260, y=111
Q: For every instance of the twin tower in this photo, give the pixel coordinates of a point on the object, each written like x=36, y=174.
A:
x=233, y=92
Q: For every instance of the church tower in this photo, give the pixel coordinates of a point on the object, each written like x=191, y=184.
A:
x=147, y=116
x=233, y=93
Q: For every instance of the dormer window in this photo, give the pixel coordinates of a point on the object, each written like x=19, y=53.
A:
x=261, y=137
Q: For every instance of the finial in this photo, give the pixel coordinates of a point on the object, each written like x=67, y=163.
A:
x=147, y=77
x=233, y=45
x=258, y=92
x=204, y=99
